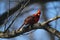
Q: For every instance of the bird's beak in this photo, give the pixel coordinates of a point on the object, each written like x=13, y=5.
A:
x=38, y=14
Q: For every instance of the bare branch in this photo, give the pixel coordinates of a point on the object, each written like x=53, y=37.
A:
x=36, y=26
x=22, y=7
x=53, y=31
x=52, y=19
x=50, y=29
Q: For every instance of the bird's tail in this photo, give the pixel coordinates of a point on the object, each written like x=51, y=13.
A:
x=21, y=26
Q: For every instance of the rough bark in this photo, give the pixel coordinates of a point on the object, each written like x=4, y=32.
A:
x=36, y=26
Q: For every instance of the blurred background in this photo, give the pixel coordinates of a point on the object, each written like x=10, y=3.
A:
x=9, y=9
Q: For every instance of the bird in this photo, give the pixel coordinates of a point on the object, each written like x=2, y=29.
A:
x=32, y=19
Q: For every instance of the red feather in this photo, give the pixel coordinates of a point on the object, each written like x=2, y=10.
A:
x=32, y=19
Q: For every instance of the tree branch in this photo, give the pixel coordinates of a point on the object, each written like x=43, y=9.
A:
x=22, y=7
x=52, y=31
x=50, y=20
x=36, y=26
x=11, y=11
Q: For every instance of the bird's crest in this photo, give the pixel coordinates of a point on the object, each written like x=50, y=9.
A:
x=38, y=13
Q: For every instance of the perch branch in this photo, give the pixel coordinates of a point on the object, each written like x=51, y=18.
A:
x=24, y=30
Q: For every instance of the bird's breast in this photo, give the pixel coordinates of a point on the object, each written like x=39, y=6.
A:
x=36, y=19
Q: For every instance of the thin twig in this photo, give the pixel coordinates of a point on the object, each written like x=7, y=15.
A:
x=22, y=7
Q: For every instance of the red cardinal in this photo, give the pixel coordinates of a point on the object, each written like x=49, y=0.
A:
x=32, y=19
